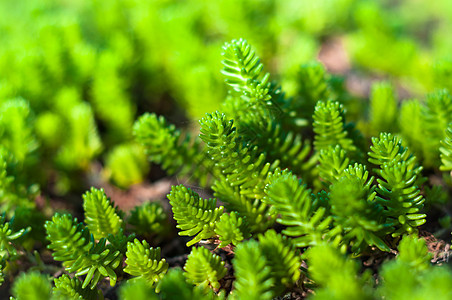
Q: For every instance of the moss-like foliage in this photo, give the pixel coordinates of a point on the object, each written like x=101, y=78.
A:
x=306, y=188
x=252, y=270
x=71, y=288
x=101, y=217
x=283, y=258
x=306, y=222
x=332, y=163
x=126, y=165
x=289, y=148
x=149, y=218
x=195, y=216
x=134, y=289
x=7, y=236
x=420, y=278
x=167, y=146
x=16, y=134
x=32, y=286
x=242, y=69
x=398, y=189
x=413, y=251
x=383, y=106
x=74, y=245
x=175, y=286
x=231, y=228
x=2, y=276
x=355, y=210
x=204, y=268
x=243, y=170
x=446, y=150
x=410, y=123
x=329, y=126
x=82, y=138
x=145, y=262
x=314, y=86
x=13, y=192
x=437, y=115
x=335, y=274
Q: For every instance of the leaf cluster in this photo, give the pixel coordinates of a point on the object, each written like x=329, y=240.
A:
x=279, y=200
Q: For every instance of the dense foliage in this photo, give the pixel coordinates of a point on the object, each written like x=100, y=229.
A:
x=287, y=180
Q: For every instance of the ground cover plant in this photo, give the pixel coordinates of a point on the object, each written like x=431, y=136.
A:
x=291, y=184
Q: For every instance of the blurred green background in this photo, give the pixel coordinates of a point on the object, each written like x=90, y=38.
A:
x=74, y=75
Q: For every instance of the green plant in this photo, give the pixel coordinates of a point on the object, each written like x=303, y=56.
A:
x=420, y=278
x=305, y=222
x=166, y=145
x=16, y=134
x=332, y=164
x=71, y=288
x=82, y=142
x=136, y=289
x=144, y=261
x=411, y=124
x=283, y=259
x=231, y=228
x=242, y=69
x=175, y=286
x=437, y=115
x=101, y=217
x=383, y=108
x=355, y=210
x=74, y=245
x=314, y=86
x=7, y=249
x=329, y=126
x=204, y=268
x=413, y=251
x=194, y=215
x=149, y=218
x=253, y=272
x=238, y=164
x=126, y=165
x=398, y=189
x=303, y=187
x=446, y=151
x=32, y=286
x=335, y=274
x=13, y=193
